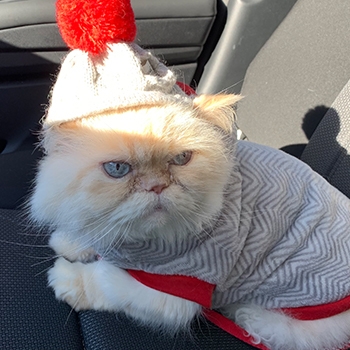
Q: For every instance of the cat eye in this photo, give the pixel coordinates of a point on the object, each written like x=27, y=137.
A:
x=117, y=169
x=182, y=158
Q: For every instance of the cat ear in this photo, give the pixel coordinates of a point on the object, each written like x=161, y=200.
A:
x=217, y=109
x=59, y=138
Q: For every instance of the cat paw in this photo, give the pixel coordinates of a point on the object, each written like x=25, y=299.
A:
x=162, y=311
x=86, y=256
x=67, y=281
x=64, y=245
x=272, y=328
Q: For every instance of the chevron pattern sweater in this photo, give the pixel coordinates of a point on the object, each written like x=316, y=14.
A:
x=282, y=239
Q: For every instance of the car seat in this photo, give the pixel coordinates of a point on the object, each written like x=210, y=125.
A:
x=292, y=76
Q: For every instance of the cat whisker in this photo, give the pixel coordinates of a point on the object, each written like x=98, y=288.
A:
x=228, y=88
x=199, y=214
x=90, y=241
x=25, y=244
x=33, y=234
x=33, y=257
x=187, y=220
x=106, y=230
x=72, y=310
x=121, y=238
x=48, y=259
x=43, y=271
x=110, y=245
x=76, y=223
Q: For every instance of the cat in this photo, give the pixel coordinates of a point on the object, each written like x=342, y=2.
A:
x=140, y=173
x=127, y=176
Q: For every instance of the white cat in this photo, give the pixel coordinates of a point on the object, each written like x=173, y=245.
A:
x=143, y=173
x=127, y=177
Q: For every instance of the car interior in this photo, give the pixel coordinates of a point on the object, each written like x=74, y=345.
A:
x=290, y=61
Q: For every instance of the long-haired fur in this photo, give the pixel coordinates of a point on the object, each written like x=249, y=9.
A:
x=93, y=211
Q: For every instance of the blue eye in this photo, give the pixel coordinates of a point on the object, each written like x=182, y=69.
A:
x=117, y=169
x=182, y=158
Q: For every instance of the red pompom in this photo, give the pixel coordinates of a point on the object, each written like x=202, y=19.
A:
x=89, y=25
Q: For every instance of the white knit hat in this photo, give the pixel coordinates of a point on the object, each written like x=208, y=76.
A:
x=104, y=72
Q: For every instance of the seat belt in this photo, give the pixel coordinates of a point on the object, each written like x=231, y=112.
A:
x=328, y=151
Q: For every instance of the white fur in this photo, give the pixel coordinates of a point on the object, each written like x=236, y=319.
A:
x=280, y=332
x=72, y=249
x=88, y=218
x=102, y=286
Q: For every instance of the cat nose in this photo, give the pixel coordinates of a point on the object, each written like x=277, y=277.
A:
x=153, y=183
x=158, y=188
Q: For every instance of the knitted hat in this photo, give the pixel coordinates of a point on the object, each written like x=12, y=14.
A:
x=105, y=70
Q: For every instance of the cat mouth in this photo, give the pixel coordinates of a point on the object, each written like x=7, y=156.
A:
x=156, y=215
x=158, y=207
x=157, y=210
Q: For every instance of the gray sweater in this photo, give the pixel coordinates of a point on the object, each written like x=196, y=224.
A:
x=281, y=240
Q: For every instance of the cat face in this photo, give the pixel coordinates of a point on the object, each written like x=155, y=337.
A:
x=138, y=173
